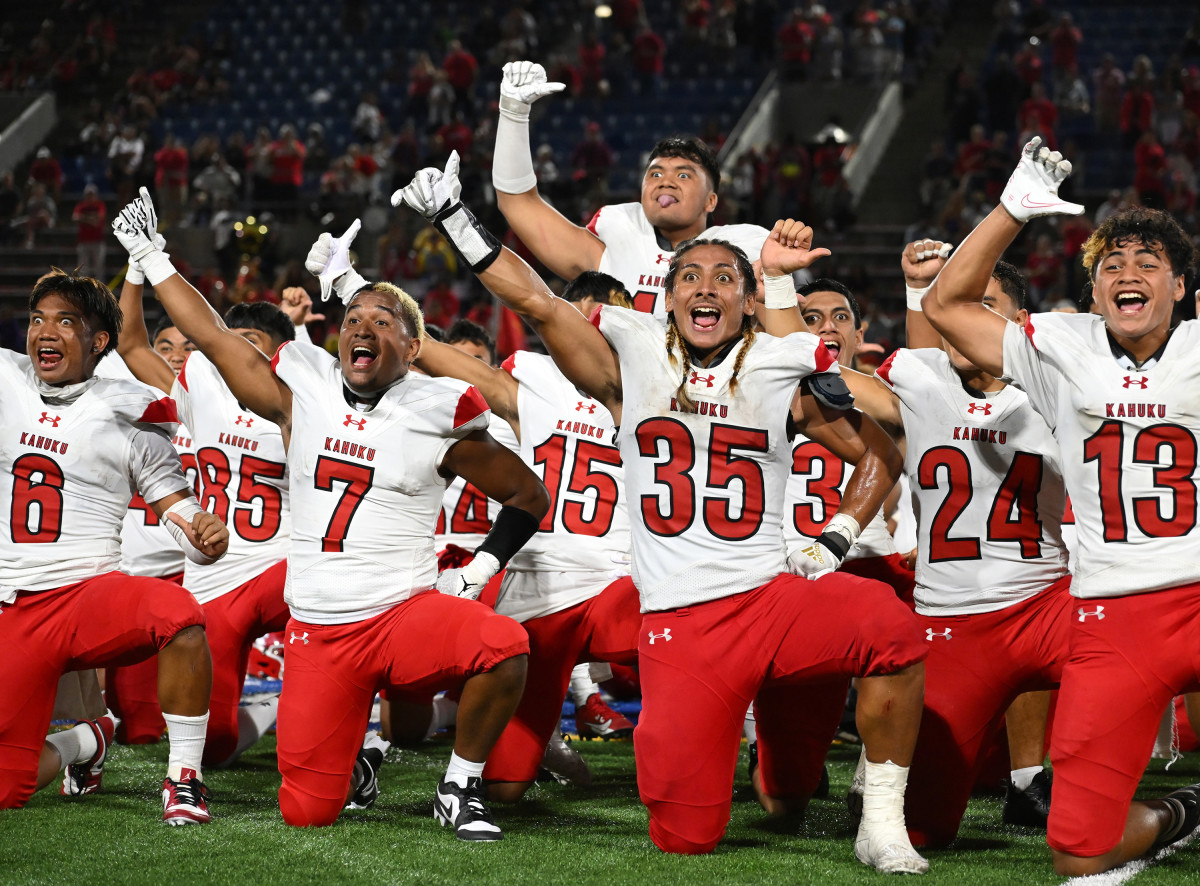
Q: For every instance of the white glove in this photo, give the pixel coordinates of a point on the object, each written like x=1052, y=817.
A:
x=1032, y=191
x=329, y=261
x=469, y=581
x=431, y=190
x=523, y=84
x=821, y=558
x=135, y=228
x=813, y=561
x=135, y=274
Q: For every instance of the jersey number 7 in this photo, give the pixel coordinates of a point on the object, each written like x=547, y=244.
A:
x=358, y=480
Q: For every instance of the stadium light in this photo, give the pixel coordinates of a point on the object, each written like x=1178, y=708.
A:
x=603, y=10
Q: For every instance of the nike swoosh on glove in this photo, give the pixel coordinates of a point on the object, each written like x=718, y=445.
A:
x=1032, y=190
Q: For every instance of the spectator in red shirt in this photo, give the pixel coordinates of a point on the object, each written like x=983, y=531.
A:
x=627, y=15
x=592, y=158
x=460, y=67
x=1108, y=87
x=795, y=40
x=591, y=63
x=1150, y=175
x=1137, y=113
x=1043, y=270
x=286, y=156
x=648, y=52
x=1038, y=115
x=972, y=158
x=560, y=70
x=1029, y=65
x=171, y=179
x=455, y=136
x=91, y=242
x=45, y=171
x=420, y=81
x=440, y=305
x=1064, y=45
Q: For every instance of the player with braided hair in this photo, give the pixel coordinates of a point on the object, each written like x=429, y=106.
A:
x=706, y=483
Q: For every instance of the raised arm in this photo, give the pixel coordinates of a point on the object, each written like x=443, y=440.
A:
x=564, y=247
x=580, y=351
x=787, y=249
x=134, y=344
x=499, y=388
x=955, y=303
x=878, y=401
x=921, y=261
x=245, y=369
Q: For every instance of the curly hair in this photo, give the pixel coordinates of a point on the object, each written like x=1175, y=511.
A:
x=1153, y=228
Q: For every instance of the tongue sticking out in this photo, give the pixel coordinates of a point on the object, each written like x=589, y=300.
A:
x=49, y=360
x=665, y=200
x=705, y=320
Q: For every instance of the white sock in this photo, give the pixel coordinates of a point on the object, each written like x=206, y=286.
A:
x=1023, y=778
x=750, y=727
x=74, y=745
x=460, y=770
x=445, y=712
x=883, y=794
x=186, y=735
x=582, y=687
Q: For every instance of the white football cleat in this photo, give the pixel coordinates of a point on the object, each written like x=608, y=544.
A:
x=887, y=849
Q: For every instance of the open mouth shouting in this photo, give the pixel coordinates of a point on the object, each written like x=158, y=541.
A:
x=705, y=317
x=49, y=358
x=1130, y=301
x=832, y=345
x=361, y=357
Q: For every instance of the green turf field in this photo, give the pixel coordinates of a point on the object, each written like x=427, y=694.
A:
x=558, y=835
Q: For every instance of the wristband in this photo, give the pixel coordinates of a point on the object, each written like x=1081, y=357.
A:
x=187, y=508
x=780, y=292
x=481, y=569
x=472, y=241
x=510, y=530
x=512, y=159
x=840, y=533
x=157, y=267
x=913, y=296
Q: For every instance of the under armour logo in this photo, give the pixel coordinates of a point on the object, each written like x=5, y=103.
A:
x=665, y=636
x=1083, y=613
x=303, y=638
x=357, y=422
x=663, y=259
x=580, y=406
x=243, y=420
x=985, y=408
x=1141, y=382
x=53, y=419
x=930, y=633
x=697, y=378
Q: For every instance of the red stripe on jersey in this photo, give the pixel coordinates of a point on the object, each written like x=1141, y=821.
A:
x=161, y=411
x=183, y=372
x=470, y=405
x=885, y=369
x=595, y=318
x=275, y=359
x=1028, y=327
x=591, y=226
x=509, y=364
x=1069, y=512
x=824, y=358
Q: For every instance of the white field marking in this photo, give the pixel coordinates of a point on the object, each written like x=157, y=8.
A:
x=1127, y=872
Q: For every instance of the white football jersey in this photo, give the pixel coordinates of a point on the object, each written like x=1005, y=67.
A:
x=706, y=489
x=68, y=472
x=1128, y=440
x=815, y=488
x=365, y=485
x=242, y=471
x=633, y=254
x=147, y=548
x=582, y=545
x=466, y=514
x=987, y=486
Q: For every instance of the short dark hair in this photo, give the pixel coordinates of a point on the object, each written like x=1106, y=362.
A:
x=1152, y=228
x=466, y=330
x=435, y=332
x=89, y=296
x=1013, y=283
x=598, y=285
x=827, y=284
x=263, y=316
x=689, y=147
x=164, y=323
x=745, y=268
